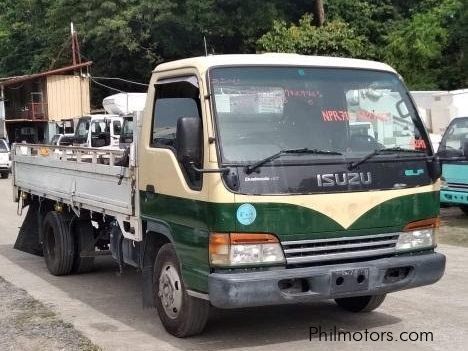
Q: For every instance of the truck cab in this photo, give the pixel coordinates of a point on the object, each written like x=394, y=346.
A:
x=454, y=144
x=98, y=131
x=250, y=166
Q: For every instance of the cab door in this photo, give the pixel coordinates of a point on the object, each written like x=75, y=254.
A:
x=173, y=198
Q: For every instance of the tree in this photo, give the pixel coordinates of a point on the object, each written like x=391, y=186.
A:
x=23, y=37
x=334, y=38
x=319, y=13
x=417, y=45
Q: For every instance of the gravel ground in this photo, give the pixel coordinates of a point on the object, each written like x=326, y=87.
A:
x=26, y=324
x=454, y=227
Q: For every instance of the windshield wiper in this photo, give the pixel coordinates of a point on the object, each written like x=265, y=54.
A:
x=254, y=166
x=389, y=150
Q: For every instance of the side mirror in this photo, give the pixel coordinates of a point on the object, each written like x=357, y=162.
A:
x=189, y=140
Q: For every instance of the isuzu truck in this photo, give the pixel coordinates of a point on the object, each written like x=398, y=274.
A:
x=247, y=185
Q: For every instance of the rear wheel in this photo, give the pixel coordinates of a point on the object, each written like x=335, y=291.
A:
x=84, y=243
x=182, y=315
x=464, y=208
x=361, y=303
x=58, y=246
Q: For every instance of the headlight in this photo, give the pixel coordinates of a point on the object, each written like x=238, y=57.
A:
x=418, y=235
x=416, y=239
x=244, y=249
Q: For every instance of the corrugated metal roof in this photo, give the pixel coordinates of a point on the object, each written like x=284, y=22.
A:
x=20, y=79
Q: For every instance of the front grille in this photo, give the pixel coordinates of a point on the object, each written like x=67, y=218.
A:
x=339, y=249
x=458, y=186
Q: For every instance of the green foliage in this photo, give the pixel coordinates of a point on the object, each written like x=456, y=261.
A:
x=425, y=40
x=335, y=38
x=416, y=47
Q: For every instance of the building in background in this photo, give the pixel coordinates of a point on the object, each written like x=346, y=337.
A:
x=438, y=108
x=35, y=104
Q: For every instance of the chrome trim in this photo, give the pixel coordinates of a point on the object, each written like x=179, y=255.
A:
x=346, y=238
x=331, y=249
x=337, y=247
x=338, y=256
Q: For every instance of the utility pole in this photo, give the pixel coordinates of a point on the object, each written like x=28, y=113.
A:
x=319, y=13
x=76, y=57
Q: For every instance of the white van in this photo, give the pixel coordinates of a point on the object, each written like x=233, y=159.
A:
x=5, y=159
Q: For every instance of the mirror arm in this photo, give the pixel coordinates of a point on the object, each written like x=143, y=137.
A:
x=202, y=170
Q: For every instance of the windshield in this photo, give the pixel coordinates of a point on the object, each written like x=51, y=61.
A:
x=82, y=128
x=127, y=127
x=455, y=137
x=3, y=146
x=262, y=110
x=98, y=127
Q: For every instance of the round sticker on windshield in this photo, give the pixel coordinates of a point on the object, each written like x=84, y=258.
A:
x=246, y=214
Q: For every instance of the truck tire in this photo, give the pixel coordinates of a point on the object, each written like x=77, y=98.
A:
x=361, y=303
x=84, y=241
x=5, y=175
x=58, y=245
x=182, y=315
x=464, y=208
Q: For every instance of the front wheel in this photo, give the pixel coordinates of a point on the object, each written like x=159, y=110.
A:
x=5, y=175
x=182, y=315
x=464, y=208
x=361, y=303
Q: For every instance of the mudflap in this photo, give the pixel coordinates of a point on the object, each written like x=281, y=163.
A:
x=28, y=237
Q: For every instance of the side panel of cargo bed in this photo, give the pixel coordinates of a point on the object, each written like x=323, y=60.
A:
x=75, y=177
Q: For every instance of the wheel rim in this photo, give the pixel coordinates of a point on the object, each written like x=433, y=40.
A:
x=170, y=291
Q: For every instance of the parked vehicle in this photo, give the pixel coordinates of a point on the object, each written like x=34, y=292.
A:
x=5, y=159
x=98, y=131
x=246, y=188
x=454, y=189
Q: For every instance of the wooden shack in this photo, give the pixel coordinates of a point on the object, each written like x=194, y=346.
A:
x=34, y=103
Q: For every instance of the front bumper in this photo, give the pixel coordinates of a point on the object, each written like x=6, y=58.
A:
x=235, y=290
x=454, y=197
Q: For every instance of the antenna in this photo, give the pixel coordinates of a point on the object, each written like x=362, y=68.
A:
x=206, y=48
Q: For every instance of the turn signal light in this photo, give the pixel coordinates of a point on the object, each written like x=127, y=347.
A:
x=240, y=249
x=429, y=223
